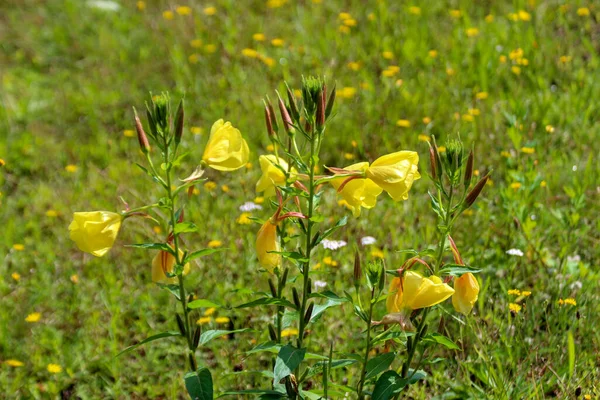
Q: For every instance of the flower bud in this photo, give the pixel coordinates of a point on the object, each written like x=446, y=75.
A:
x=272, y=114
x=466, y=292
x=432, y=163
x=308, y=314
x=196, y=340
x=180, y=324
x=474, y=193
x=269, y=122
x=179, y=123
x=296, y=298
x=312, y=93
x=454, y=158
x=285, y=116
x=272, y=287
x=272, y=333
x=320, y=117
x=357, y=269
x=439, y=169
x=469, y=170
x=293, y=105
x=283, y=279
x=267, y=244
x=330, y=102
x=142, y=138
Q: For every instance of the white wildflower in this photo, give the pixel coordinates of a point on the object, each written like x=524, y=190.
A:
x=250, y=206
x=515, y=252
x=333, y=244
x=367, y=240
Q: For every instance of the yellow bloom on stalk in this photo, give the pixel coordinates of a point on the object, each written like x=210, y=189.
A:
x=414, y=291
x=14, y=363
x=358, y=192
x=226, y=149
x=466, y=292
x=54, y=368
x=273, y=174
x=164, y=262
x=395, y=173
x=33, y=317
x=266, y=242
x=95, y=232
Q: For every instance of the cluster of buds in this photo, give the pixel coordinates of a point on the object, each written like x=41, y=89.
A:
x=453, y=167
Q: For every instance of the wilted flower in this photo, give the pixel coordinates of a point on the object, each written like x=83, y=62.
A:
x=466, y=292
x=95, y=232
x=395, y=173
x=162, y=264
x=267, y=242
x=226, y=149
x=273, y=174
x=357, y=192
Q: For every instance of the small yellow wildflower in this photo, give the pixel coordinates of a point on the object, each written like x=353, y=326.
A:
x=141, y=5
x=268, y=61
x=346, y=92
x=225, y=188
x=289, y=332
x=515, y=70
x=433, y=53
x=196, y=130
x=481, y=95
x=543, y=184
x=350, y=22
x=277, y=42
x=329, y=261
x=472, y=32
x=423, y=138
x=209, y=311
x=455, y=13
x=565, y=59
x=474, y=111
x=52, y=213
x=514, y=292
x=2, y=162
x=514, y=307
x=587, y=397
x=74, y=278
x=275, y=3
x=18, y=247
x=442, y=149
x=468, y=117
x=505, y=154
x=222, y=320
x=129, y=133
x=502, y=59
x=33, y=317
x=583, y=12
x=259, y=37
x=513, y=16
x=414, y=10
x=450, y=71
x=348, y=156
x=569, y=300
x=16, y=276
x=157, y=229
x=210, y=48
x=193, y=58
x=244, y=219
x=215, y=243
x=489, y=18
x=525, y=293
x=377, y=253
x=210, y=11
x=71, y=168
x=250, y=53
x=344, y=15
x=168, y=15
x=196, y=43
x=388, y=55
x=524, y=15
x=210, y=185
x=354, y=66
x=183, y=10
x=344, y=29
x=371, y=17
x=528, y=150
x=259, y=200
x=14, y=363
x=426, y=120
x=403, y=123
x=203, y=320
x=515, y=185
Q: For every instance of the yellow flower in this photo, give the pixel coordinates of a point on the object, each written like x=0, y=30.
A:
x=193, y=58
x=210, y=11
x=183, y=10
x=95, y=232
x=210, y=186
x=14, y=363
x=514, y=307
x=414, y=10
x=358, y=192
x=514, y=292
x=250, y=53
x=267, y=241
x=289, y=332
x=214, y=244
x=16, y=276
x=525, y=293
x=74, y=278
x=330, y=261
x=515, y=185
x=403, y=123
x=543, y=184
x=222, y=320
x=275, y=3
x=196, y=130
x=344, y=15
x=481, y=95
x=259, y=37
x=129, y=133
x=196, y=43
x=415, y=291
x=354, y=66
x=524, y=15
x=210, y=48
x=52, y=213
x=489, y=18
x=18, y=247
x=273, y=174
x=395, y=173
x=502, y=59
x=54, y=368
x=377, y=253
x=472, y=32
x=515, y=70
x=71, y=168
x=466, y=292
x=168, y=14
x=244, y=219
x=350, y=22
x=226, y=149
x=259, y=200
x=277, y=42
x=141, y=5
x=33, y=317
x=455, y=13
x=346, y=92
x=423, y=138
x=203, y=320
x=426, y=120
x=528, y=150
x=583, y=12
x=433, y=53
x=344, y=29
x=571, y=301
x=164, y=262
x=388, y=55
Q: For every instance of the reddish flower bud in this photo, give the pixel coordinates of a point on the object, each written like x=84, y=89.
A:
x=142, y=138
x=432, y=162
x=285, y=116
x=330, y=102
x=269, y=122
x=179, y=123
x=469, y=170
x=320, y=117
x=473, y=194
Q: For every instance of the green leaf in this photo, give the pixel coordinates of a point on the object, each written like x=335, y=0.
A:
x=318, y=367
x=287, y=361
x=457, y=270
x=334, y=228
x=389, y=335
x=203, y=303
x=414, y=376
x=388, y=385
x=571, y=347
x=180, y=158
x=437, y=207
x=185, y=227
x=320, y=308
x=291, y=255
x=150, y=339
x=207, y=336
x=174, y=289
x=202, y=253
x=441, y=339
x=270, y=301
x=262, y=393
x=199, y=384
x=153, y=246
x=377, y=365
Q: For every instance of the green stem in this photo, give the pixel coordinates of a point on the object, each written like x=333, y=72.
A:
x=363, y=372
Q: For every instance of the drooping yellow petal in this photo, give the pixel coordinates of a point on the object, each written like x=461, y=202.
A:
x=164, y=262
x=273, y=174
x=466, y=292
x=395, y=173
x=267, y=241
x=416, y=292
x=226, y=149
x=95, y=232
x=394, y=299
x=358, y=192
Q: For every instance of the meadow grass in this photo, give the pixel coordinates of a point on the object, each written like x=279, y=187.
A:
x=517, y=79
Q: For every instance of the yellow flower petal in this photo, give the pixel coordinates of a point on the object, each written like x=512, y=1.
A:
x=226, y=149
x=95, y=232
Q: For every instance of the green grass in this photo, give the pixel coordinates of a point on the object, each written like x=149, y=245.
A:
x=70, y=74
